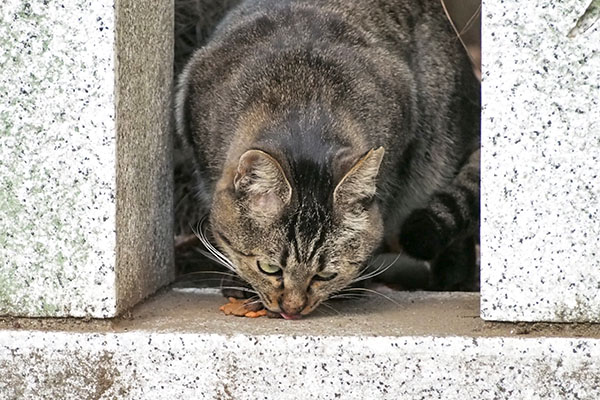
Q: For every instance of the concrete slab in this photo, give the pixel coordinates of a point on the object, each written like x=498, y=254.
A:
x=85, y=178
x=540, y=236
x=179, y=346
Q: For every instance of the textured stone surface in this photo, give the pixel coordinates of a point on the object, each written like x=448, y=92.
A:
x=57, y=158
x=144, y=172
x=170, y=349
x=540, y=252
x=146, y=365
x=58, y=147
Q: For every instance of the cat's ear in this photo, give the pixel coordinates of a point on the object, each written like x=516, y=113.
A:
x=359, y=182
x=261, y=181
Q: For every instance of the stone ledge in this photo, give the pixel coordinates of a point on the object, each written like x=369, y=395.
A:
x=179, y=346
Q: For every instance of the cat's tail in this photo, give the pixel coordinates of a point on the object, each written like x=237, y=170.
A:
x=451, y=214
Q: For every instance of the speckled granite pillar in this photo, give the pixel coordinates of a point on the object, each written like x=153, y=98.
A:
x=85, y=187
x=541, y=161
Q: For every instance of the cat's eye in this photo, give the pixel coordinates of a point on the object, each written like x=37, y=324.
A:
x=269, y=269
x=325, y=276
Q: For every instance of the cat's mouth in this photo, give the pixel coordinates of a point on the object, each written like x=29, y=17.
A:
x=290, y=316
x=278, y=311
x=279, y=314
x=304, y=312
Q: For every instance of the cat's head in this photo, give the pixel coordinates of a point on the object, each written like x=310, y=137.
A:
x=298, y=239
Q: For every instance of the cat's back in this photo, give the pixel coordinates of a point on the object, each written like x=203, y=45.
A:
x=380, y=59
x=380, y=22
x=387, y=37
x=408, y=35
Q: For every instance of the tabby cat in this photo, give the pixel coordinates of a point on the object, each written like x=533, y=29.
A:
x=323, y=132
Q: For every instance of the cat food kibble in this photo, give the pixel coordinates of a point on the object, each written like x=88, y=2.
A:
x=241, y=308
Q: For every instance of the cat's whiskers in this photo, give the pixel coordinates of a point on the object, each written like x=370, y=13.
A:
x=348, y=296
x=369, y=264
x=209, y=255
x=216, y=254
x=323, y=303
x=188, y=274
x=365, y=270
x=253, y=300
x=240, y=288
x=350, y=290
x=211, y=282
x=378, y=271
x=212, y=253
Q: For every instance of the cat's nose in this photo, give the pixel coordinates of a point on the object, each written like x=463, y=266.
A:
x=292, y=304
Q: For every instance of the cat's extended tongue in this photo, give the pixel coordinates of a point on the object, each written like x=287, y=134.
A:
x=291, y=316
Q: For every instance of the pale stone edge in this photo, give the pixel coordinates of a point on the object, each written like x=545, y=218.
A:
x=154, y=365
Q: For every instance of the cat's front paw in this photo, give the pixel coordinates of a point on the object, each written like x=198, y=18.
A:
x=421, y=236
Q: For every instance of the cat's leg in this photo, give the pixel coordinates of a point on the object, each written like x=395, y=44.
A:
x=455, y=269
x=452, y=213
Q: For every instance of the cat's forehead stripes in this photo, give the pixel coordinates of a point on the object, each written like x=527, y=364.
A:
x=284, y=257
x=316, y=245
x=307, y=229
